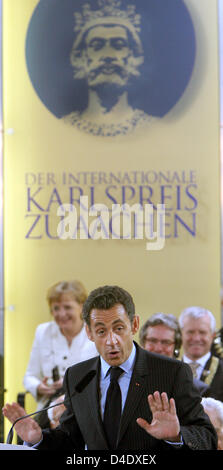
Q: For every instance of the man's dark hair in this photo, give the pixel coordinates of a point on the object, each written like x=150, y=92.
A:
x=104, y=298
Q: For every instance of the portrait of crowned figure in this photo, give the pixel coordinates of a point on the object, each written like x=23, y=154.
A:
x=107, y=54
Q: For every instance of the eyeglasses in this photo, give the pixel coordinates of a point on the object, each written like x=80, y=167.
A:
x=164, y=342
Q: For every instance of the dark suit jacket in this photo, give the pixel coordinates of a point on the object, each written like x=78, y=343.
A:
x=81, y=423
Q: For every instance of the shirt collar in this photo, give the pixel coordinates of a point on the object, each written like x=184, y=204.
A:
x=202, y=360
x=127, y=366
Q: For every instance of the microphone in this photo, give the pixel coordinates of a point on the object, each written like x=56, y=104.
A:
x=78, y=389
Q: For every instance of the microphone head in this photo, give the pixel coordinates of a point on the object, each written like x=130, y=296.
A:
x=85, y=381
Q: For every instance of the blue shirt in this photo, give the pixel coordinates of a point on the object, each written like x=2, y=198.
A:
x=123, y=380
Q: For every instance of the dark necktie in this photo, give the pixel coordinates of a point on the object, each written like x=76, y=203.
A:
x=113, y=406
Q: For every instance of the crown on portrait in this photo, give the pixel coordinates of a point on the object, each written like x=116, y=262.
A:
x=109, y=11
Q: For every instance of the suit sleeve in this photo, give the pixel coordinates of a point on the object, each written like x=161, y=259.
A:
x=196, y=428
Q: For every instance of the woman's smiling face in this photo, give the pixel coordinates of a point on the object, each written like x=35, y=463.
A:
x=66, y=312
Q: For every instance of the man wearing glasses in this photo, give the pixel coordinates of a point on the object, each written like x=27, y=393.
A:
x=161, y=334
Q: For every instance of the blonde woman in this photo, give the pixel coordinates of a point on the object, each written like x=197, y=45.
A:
x=59, y=343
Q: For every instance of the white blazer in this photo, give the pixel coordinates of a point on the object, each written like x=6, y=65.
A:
x=50, y=349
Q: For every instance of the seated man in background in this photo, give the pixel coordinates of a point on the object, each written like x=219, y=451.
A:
x=198, y=328
x=161, y=334
x=214, y=409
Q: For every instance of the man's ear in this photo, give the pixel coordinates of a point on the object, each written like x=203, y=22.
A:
x=88, y=331
x=135, y=324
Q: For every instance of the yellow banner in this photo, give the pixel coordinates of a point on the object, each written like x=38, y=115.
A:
x=111, y=157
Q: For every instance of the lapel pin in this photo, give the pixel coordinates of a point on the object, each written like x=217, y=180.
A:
x=206, y=373
x=137, y=384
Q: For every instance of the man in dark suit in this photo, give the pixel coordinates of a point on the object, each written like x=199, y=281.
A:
x=160, y=408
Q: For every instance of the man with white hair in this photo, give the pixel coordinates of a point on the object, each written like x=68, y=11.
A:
x=198, y=329
x=107, y=53
x=214, y=409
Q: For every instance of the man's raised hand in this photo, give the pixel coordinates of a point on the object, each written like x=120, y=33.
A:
x=27, y=428
x=165, y=424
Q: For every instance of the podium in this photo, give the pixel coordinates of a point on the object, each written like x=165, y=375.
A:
x=14, y=447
